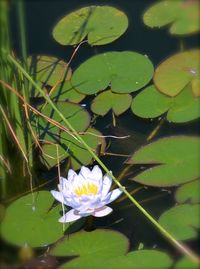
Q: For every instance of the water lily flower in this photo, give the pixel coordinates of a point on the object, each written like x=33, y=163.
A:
x=87, y=193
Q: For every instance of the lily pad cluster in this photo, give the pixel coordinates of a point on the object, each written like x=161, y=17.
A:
x=91, y=249
x=176, y=91
x=181, y=15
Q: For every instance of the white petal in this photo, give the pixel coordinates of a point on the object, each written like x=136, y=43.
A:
x=71, y=215
x=114, y=195
x=96, y=173
x=107, y=182
x=103, y=211
x=85, y=172
x=71, y=175
x=58, y=196
x=63, y=184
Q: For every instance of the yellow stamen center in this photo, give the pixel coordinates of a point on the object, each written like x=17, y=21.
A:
x=87, y=189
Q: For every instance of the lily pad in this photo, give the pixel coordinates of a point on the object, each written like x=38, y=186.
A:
x=77, y=116
x=181, y=221
x=76, y=151
x=90, y=249
x=143, y=259
x=65, y=92
x=189, y=192
x=124, y=72
x=52, y=154
x=99, y=243
x=172, y=75
x=108, y=100
x=101, y=24
x=175, y=160
x=182, y=16
x=150, y=103
x=186, y=263
x=48, y=70
x=32, y=222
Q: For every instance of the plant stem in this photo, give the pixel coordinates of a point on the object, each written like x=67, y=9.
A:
x=176, y=243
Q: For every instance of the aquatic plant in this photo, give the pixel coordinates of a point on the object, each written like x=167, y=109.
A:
x=60, y=132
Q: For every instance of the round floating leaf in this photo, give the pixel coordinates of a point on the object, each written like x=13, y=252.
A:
x=150, y=103
x=48, y=70
x=189, y=192
x=126, y=72
x=77, y=116
x=175, y=159
x=181, y=221
x=78, y=154
x=183, y=16
x=65, y=92
x=108, y=100
x=32, y=222
x=99, y=243
x=186, y=263
x=184, y=107
x=102, y=25
x=172, y=75
x=143, y=259
x=49, y=154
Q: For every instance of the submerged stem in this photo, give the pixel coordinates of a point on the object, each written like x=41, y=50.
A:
x=176, y=243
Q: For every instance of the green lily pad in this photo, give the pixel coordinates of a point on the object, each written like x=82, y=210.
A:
x=143, y=259
x=182, y=16
x=77, y=116
x=52, y=154
x=126, y=72
x=32, y=223
x=48, y=70
x=175, y=159
x=172, y=75
x=65, y=92
x=181, y=221
x=184, y=107
x=99, y=243
x=186, y=263
x=189, y=192
x=108, y=100
x=69, y=147
x=150, y=103
x=76, y=151
x=101, y=24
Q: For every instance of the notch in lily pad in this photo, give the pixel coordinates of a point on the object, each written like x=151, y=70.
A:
x=124, y=72
x=175, y=160
x=151, y=103
x=182, y=16
x=101, y=25
x=108, y=100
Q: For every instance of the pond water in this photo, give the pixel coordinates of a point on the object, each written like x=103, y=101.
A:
x=158, y=45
